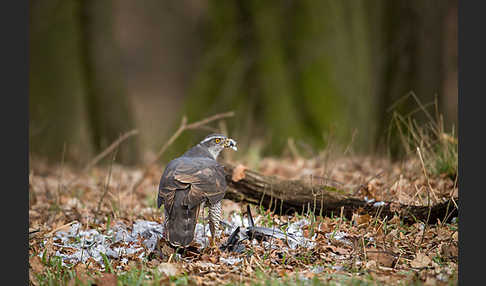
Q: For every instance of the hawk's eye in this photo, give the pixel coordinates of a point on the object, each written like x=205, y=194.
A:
x=217, y=140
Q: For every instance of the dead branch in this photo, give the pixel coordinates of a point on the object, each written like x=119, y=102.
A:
x=109, y=149
x=105, y=153
x=289, y=196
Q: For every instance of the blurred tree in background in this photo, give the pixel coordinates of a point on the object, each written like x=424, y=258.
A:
x=77, y=97
x=302, y=69
x=56, y=84
x=313, y=71
x=109, y=109
x=413, y=45
x=294, y=70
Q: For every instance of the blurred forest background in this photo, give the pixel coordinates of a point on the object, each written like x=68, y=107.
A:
x=301, y=69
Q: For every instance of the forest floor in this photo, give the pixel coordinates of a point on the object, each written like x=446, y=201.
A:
x=93, y=227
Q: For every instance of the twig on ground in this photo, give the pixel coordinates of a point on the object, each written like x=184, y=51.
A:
x=60, y=186
x=34, y=231
x=364, y=248
x=425, y=173
x=377, y=214
x=418, y=192
x=183, y=127
x=451, y=198
x=427, y=222
x=353, y=136
x=59, y=228
x=107, y=184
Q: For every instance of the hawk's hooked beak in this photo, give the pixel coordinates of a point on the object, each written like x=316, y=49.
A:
x=230, y=143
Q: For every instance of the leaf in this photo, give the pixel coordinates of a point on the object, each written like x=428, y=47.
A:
x=342, y=251
x=169, y=269
x=238, y=173
x=371, y=264
x=36, y=264
x=32, y=279
x=382, y=258
x=80, y=270
x=361, y=219
x=395, y=219
x=455, y=236
x=449, y=250
x=108, y=279
x=443, y=234
x=420, y=261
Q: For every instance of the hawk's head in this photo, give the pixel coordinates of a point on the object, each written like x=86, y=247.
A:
x=215, y=143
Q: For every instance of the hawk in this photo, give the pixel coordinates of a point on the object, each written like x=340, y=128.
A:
x=189, y=180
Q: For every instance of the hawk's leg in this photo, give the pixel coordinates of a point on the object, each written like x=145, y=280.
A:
x=166, y=224
x=215, y=214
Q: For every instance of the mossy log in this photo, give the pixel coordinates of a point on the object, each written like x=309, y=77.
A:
x=289, y=196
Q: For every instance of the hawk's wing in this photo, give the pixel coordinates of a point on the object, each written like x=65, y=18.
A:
x=204, y=177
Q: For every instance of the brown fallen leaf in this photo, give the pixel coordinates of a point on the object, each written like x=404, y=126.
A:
x=36, y=264
x=382, y=258
x=455, y=236
x=108, y=279
x=229, y=206
x=198, y=280
x=164, y=249
x=81, y=274
x=32, y=278
x=449, y=250
x=421, y=260
x=371, y=264
x=169, y=269
x=361, y=219
x=395, y=208
x=341, y=251
x=238, y=173
x=282, y=273
x=213, y=259
x=395, y=219
x=443, y=234
x=309, y=275
x=430, y=280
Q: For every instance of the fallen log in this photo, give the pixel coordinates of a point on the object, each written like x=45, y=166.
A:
x=289, y=196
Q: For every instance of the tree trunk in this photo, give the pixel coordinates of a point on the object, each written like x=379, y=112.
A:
x=56, y=87
x=289, y=196
x=411, y=60
x=294, y=70
x=108, y=106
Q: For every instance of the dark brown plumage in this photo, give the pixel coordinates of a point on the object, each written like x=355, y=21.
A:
x=188, y=181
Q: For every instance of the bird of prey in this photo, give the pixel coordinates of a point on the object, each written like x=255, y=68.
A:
x=187, y=182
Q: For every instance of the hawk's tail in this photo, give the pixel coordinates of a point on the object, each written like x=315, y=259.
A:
x=182, y=221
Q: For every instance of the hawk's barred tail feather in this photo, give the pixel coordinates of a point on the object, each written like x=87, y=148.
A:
x=181, y=221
